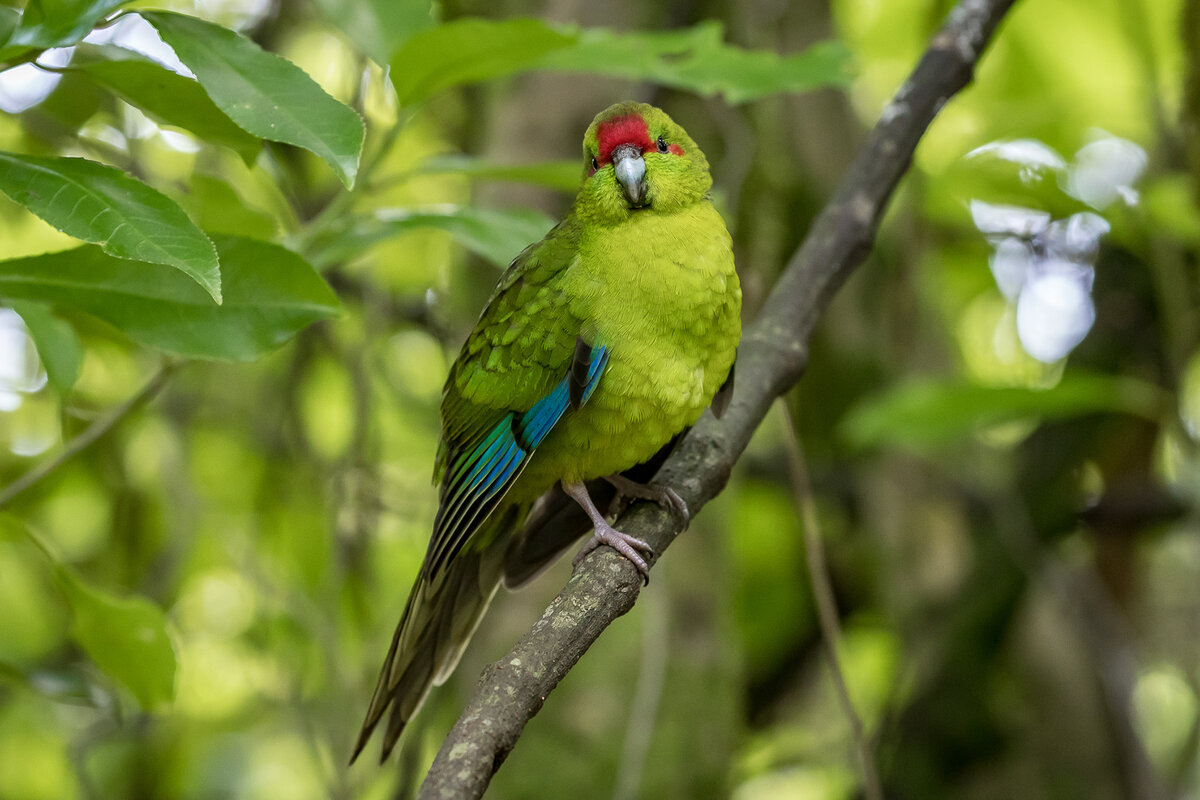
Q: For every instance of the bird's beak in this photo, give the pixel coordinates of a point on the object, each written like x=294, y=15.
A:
x=630, y=169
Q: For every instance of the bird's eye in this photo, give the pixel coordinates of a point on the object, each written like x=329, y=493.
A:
x=595, y=164
x=662, y=145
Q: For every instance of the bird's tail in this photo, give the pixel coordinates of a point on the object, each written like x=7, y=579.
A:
x=436, y=626
x=511, y=547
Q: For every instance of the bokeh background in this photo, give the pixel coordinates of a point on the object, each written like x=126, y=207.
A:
x=1001, y=418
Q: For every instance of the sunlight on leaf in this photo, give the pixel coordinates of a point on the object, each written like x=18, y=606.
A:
x=270, y=294
x=57, y=344
x=165, y=96
x=101, y=204
x=51, y=23
x=265, y=94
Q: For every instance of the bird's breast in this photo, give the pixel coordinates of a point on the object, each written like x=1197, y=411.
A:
x=663, y=296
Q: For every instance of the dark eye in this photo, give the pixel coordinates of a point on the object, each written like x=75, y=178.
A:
x=595, y=164
x=662, y=145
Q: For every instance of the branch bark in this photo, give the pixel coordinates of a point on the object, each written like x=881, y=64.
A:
x=772, y=356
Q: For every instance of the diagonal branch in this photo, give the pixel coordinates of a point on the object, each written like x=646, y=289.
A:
x=771, y=358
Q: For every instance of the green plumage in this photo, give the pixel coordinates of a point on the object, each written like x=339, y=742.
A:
x=644, y=293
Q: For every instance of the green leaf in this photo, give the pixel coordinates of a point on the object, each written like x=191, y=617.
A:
x=698, y=60
x=102, y=204
x=378, y=27
x=927, y=415
x=166, y=96
x=57, y=344
x=471, y=50
x=218, y=208
x=270, y=294
x=497, y=236
x=265, y=94
x=9, y=17
x=73, y=102
x=467, y=51
x=562, y=175
x=126, y=637
x=53, y=23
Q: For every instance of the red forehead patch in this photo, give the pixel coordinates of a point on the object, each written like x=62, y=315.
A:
x=627, y=129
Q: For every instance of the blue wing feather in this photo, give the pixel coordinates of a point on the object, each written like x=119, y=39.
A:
x=481, y=474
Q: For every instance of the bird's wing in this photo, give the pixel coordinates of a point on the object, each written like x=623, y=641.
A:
x=526, y=364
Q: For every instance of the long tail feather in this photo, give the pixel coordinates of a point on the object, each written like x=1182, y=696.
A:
x=436, y=626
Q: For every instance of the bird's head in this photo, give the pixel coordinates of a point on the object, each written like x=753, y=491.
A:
x=636, y=157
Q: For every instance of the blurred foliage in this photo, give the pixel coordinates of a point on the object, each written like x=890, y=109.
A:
x=196, y=605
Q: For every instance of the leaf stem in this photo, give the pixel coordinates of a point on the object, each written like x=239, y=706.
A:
x=647, y=694
x=827, y=612
x=343, y=201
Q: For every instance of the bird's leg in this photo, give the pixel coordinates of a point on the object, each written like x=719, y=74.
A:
x=604, y=533
x=665, y=496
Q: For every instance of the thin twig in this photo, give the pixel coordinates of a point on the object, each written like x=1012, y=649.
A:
x=91, y=434
x=646, y=695
x=827, y=611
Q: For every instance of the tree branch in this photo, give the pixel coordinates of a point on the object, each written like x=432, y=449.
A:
x=771, y=358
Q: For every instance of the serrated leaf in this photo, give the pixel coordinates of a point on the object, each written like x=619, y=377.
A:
x=57, y=344
x=102, y=204
x=926, y=415
x=166, y=96
x=270, y=294
x=497, y=236
x=467, y=51
x=378, y=27
x=697, y=59
x=562, y=175
x=263, y=93
x=53, y=23
x=126, y=637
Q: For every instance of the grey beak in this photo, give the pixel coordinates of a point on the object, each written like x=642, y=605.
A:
x=630, y=169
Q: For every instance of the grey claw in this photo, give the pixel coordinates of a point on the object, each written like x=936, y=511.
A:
x=623, y=543
x=665, y=496
x=677, y=506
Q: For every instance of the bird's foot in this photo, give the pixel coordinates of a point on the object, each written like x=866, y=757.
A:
x=665, y=496
x=629, y=546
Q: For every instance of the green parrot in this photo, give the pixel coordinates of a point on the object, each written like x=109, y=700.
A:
x=601, y=344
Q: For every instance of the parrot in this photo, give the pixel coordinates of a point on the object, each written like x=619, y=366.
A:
x=600, y=346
